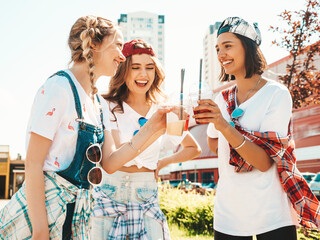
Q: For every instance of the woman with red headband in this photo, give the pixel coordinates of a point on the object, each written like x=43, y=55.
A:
x=126, y=204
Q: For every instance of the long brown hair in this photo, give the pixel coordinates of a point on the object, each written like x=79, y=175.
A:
x=85, y=32
x=118, y=90
x=255, y=63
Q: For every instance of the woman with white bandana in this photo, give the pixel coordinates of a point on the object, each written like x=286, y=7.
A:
x=260, y=190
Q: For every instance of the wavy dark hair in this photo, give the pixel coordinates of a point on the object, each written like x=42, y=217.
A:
x=255, y=63
x=118, y=91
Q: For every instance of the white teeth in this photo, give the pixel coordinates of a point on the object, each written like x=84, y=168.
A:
x=141, y=81
x=224, y=63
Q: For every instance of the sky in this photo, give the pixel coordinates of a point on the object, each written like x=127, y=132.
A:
x=34, y=37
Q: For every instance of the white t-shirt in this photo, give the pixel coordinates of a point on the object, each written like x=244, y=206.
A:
x=53, y=116
x=127, y=123
x=254, y=202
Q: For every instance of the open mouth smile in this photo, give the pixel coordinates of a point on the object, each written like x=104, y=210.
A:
x=141, y=83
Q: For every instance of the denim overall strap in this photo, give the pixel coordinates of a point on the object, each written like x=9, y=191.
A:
x=74, y=90
x=77, y=99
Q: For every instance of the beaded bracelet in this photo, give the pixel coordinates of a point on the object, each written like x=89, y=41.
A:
x=133, y=147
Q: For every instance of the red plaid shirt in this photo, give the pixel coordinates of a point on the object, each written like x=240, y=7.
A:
x=281, y=150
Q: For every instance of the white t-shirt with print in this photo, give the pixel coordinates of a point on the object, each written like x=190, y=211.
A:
x=254, y=202
x=53, y=116
x=127, y=123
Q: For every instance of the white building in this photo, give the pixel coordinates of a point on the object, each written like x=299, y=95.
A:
x=211, y=63
x=147, y=26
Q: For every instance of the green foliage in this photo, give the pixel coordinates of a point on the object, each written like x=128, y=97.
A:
x=306, y=234
x=191, y=211
x=190, y=215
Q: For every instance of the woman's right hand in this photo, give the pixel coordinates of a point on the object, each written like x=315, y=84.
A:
x=158, y=121
x=212, y=114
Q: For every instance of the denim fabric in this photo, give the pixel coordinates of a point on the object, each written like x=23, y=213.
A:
x=123, y=187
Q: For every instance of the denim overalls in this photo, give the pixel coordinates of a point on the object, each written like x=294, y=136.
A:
x=78, y=170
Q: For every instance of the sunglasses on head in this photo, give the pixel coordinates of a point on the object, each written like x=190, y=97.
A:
x=142, y=121
x=94, y=155
x=238, y=112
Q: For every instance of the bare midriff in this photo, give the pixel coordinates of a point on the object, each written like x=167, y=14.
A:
x=133, y=169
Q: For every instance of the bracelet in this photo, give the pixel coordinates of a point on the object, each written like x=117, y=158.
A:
x=243, y=142
x=133, y=147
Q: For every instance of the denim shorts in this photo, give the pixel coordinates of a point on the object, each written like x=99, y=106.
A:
x=123, y=187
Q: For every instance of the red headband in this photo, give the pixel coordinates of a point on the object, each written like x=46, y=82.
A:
x=129, y=48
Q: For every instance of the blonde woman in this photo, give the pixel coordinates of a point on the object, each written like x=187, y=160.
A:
x=126, y=203
x=68, y=126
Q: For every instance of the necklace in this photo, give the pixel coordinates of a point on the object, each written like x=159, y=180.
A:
x=252, y=89
x=238, y=112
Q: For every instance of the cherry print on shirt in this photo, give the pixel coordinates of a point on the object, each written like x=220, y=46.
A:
x=70, y=127
x=50, y=113
x=42, y=91
x=84, y=107
x=57, y=163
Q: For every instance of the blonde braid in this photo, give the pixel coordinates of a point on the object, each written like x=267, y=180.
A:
x=86, y=36
x=84, y=33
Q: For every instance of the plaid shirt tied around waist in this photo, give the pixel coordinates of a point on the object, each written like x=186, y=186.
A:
x=129, y=217
x=282, y=151
x=14, y=217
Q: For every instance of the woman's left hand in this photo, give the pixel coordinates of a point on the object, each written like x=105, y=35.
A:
x=208, y=111
x=161, y=164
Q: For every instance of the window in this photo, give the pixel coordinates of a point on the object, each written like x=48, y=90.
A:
x=207, y=177
x=193, y=177
x=161, y=19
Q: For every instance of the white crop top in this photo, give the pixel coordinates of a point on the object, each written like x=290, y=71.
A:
x=127, y=122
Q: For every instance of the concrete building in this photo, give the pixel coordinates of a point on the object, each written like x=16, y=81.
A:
x=147, y=26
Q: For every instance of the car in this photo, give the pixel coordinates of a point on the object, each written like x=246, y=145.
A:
x=195, y=187
x=209, y=187
x=178, y=183
x=308, y=176
x=315, y=185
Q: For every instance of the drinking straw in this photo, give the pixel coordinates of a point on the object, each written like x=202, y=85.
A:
x=181, y=92
x=200, y=79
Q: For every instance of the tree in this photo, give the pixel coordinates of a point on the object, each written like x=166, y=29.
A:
x=302, y=77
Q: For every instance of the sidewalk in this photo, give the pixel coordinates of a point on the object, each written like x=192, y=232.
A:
x=3, y=202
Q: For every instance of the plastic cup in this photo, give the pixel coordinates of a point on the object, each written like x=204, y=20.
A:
x=178, y=120
x=194, y=100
